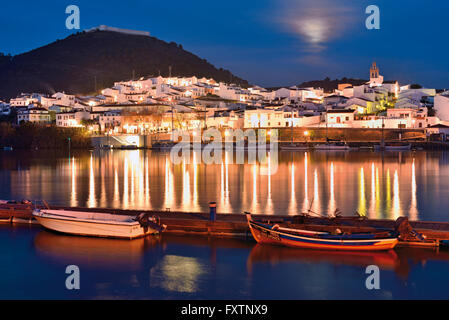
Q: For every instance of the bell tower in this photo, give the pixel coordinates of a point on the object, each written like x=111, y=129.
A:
x=374, y=71
x=375, y=79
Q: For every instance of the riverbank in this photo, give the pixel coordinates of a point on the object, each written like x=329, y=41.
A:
x=31, y=137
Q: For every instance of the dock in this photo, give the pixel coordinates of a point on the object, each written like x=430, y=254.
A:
x=235, y=225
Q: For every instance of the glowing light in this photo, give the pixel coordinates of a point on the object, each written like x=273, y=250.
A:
x=292, y=207
x=413, y=205
x=362, y=199
x=306, y=193
x=332, y=203
x=73, y=201
x=91, y=202
x=316, y=196
x=396, y=200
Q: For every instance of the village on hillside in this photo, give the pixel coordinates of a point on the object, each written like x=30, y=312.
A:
x=157, y=104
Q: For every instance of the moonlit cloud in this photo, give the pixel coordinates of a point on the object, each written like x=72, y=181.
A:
x=317, y=22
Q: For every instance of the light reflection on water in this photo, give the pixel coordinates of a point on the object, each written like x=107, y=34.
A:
x=373, y=184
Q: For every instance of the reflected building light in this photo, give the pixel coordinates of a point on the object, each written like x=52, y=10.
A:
x=316, y=195
x=141, y=183
x=372, y=206
x=377, y=193
x=147, y=183
x=413, y=213
x=195, y=181
x=362, y=199
x=125, y=184
x=254, y=202
x=292, y=206
x=91, y=202
x=222, y=191
x=169, y=196
x=73, y=195
x=131, y=165
x=396, y=199
x=185, y=185
x=226, y=207
x=227, y=174
x=269, y=208
x=332, y=203
x=305, y=207
x=103, y=202
x=116, y=200
x=388, y=200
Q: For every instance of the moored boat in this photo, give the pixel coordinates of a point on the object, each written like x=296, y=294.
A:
x=98, y=224
x=276, y=235
x=332, y=146
x=398, y=146
x=251, y=147
x=294, y=147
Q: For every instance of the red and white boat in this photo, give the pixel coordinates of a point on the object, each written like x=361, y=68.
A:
x=276, y=235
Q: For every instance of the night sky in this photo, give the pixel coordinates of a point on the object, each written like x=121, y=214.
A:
x=267, y=42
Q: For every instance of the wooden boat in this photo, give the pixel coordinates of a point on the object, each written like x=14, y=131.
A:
x=98, y=224
x=273, y=234
x=294, y=147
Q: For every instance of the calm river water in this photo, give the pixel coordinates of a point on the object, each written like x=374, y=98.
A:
x=378, y=185
x=33, y=264
x=33, y=261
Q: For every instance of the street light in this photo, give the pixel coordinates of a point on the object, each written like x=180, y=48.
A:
x=306, y=134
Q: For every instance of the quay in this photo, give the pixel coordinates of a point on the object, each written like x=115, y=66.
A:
x=212, y=224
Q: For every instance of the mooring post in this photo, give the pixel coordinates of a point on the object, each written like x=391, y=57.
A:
x=212, y=211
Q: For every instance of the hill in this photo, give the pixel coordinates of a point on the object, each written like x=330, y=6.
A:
x=330, y=85
x=86, y=61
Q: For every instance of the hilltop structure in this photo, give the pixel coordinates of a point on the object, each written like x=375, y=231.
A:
x=118, y=30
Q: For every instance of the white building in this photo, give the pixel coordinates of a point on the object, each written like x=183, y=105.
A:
x=72, y=119
x=264, y=118
x=340, y=118
x=35, y=115
x=441, y=106
x=63, y=99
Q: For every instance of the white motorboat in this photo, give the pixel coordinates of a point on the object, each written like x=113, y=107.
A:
x=98, y=224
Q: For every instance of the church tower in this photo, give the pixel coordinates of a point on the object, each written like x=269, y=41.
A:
x=374, y=71
x=375, y=79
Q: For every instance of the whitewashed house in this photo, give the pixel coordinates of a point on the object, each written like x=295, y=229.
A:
x=35, y=115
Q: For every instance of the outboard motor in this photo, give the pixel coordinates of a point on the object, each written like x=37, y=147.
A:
x=405, y=230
